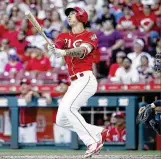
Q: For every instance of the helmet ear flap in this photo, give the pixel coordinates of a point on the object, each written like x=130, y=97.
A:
x=79, y=17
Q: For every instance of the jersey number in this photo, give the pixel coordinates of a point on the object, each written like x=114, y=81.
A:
x=76, y=43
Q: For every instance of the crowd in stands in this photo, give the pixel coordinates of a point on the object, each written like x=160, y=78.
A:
x=128, y=34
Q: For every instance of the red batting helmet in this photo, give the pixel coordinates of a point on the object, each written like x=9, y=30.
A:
x=82, y=15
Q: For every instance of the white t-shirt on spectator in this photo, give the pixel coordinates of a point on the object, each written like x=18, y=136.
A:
x=126, y=77
x=3, y=60
x=136, y=59
x=55, y=61
x=36, y=40
x=22, y=6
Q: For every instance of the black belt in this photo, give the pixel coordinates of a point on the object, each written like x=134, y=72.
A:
x=26, y=125
x=75, y=77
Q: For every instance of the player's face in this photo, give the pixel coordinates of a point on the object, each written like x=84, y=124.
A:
x=72, y=20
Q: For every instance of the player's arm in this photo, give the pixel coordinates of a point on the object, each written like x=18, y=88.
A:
x=80, y=52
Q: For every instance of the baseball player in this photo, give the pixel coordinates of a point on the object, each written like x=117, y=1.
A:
x=151, y=116
x=117, y=131
x=27, y=118
x=78, y=48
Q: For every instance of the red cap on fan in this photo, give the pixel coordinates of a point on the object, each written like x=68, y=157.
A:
x=25, y=81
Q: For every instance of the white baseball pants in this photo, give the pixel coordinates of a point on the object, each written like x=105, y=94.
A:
x=68, y=116
x=28, y=134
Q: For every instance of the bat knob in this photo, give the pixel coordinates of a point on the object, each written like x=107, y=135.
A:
x=27, y=13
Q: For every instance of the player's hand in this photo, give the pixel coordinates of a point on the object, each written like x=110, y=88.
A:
x=55, y=51
x=141, y=110
x=51, y=49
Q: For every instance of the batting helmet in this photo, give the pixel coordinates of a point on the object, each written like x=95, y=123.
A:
x=82, y=15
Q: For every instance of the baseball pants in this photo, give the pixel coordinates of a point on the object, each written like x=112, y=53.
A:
x=28, y=134
x=68, y=116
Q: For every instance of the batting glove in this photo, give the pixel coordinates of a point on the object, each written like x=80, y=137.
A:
x=51, y=49
x=55, y=51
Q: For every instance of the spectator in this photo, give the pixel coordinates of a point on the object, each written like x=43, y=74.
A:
x=92, y=15
x=119, y=61
x=128, y=21
x=27, y=53
x=117, y=133
x=20, y=43
x=38, y=61
x=27, y=119
x=147, y=22
x=34, y=11
x=35, y=38
x=24, y=26
x=158, y=46
x=14, y=15
x=61, y=6
x=156, y=8
x=47, y=27
x=5, y=45
x=155, y=47
x=116, y=9
x=56, y=62
x=3, y=25
x=137, y=8
x=56, y=21
x=138, y=52
x=11, y=33
x=144, y=70
x=13, y=65
x=126, y=74
x=80, y=3
x=106, y=15
x=110, y=38
x=59, y=91
x=3, y=54
x=21, y=5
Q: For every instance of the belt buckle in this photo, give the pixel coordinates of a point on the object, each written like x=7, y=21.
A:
x=75, y=77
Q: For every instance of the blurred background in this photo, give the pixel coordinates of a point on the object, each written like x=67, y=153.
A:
x=128, y=70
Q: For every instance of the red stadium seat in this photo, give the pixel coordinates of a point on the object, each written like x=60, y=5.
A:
x=142, y=35
x=128, y=38
x=47, y=77
x=62, y=72
x=25, y=74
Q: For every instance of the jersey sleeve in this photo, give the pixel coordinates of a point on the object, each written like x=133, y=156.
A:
x=60, y=41
x=91, y=39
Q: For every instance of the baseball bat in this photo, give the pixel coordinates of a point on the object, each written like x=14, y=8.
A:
x=34, y=22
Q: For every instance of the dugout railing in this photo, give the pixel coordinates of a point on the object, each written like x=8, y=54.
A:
x=105, y=104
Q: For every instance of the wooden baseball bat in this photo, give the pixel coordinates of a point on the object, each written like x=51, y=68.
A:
x=34, y=22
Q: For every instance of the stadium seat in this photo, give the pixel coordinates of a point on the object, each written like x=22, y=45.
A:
x=47, y=77
x=128, y=38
